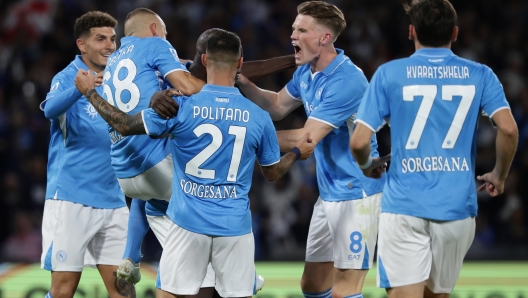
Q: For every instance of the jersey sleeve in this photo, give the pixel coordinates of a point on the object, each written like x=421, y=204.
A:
x=374, y=107
x=268, y=151
x=155, y=125
x=493, y=97
x=62, y=95
x=339, y=101
x=164, y=58
x=293, y=86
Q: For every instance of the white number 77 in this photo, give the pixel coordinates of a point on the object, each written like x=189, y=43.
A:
x=429, y=94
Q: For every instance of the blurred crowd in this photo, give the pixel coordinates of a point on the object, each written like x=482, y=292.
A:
x=36, y=42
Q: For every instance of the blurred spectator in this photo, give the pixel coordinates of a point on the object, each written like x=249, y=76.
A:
x=25, y=242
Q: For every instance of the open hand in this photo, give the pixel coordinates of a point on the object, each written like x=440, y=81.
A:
x=84, y=81
x=306, y=146
x=493, y=185
x=163, y=103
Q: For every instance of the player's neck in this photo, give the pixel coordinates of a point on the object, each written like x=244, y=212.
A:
x=198, y=70
x=326, y=56
x=221, y=77
x=419, y=46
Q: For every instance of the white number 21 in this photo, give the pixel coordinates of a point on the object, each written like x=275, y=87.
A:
x=428, y=92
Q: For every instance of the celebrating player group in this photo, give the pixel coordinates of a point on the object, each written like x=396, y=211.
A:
x=181, y=140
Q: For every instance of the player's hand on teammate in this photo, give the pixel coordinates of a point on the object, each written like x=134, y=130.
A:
x=378, y=167
x=493, y=185
x=240, y=79
x=99, y=79
x=163, y=103
x=84, y=81
x=306, y=145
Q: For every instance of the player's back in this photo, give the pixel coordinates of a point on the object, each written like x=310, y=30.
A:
x=435, y=99
x=133, y=73
x=218, y=135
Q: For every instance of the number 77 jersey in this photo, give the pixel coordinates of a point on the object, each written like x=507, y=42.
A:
x=432, y=101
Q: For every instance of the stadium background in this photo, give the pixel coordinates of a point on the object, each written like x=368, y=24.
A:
x=36, y=42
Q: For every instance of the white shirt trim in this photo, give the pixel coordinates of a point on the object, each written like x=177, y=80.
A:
x=501, y=108
x=289, y=94
x=144, y=123
x=325, y=122
x=270, y=164
x=366, y=124
x=171, y=71
x=336, y=67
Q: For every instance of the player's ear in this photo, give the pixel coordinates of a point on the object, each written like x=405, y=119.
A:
x=153, y=28
x=412, y=32
x=204, y=60
x=80, y=45
x=327, y=38
x=455, y=34
x=240, y=61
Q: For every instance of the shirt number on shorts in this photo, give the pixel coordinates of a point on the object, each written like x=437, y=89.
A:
x=126, y=84
x=193, y=166
x=355, y=242
x=428, y=92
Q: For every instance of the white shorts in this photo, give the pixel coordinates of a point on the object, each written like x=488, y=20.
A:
x=344, y=232
x=160, y=226
x=412, y=250
x=184, y=261
x=154, y=183
x=76, y=236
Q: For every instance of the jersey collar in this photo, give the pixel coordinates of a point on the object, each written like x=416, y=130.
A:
x=127, y=39
x=79, y=63
x=338, y=60
x=221, y=89
x=433, y=52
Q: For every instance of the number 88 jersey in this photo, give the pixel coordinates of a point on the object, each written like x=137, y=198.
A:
x=432, y=101
x=133, y=73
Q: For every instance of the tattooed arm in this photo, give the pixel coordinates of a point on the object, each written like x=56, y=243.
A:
x=303, y=149
x=122, y=122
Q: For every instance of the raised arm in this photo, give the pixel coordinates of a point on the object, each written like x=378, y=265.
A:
x=185, y=82
x=278, y=105
x=259, y=69
x=123, y=123
x=506, y=145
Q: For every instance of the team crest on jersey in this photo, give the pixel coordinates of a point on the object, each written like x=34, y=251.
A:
x=54, y=87
x=61, y=256
x=90, y=110
x=303, y=85
x=318, y=93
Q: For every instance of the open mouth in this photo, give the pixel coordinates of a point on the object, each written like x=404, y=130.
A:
x=297, y=50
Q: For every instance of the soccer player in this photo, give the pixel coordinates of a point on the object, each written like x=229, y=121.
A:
x=217, y=135
x=433, y=100
x=85, y=213
x=344, y=225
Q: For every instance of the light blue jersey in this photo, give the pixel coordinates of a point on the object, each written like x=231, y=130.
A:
x=217, y=135
x=332, y=96
x=133, y=73
x=156, y=207
x=433, y=101
x=79, y=169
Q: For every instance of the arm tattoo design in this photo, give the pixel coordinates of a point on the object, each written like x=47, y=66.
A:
x=278, y=170
x=122, y=122
x=124, y=288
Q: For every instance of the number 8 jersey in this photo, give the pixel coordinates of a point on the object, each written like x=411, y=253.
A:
x=217, y=135
x=432, y=101
x=133, y=73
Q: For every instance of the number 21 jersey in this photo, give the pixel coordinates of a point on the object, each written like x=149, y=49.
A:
x=432, y=101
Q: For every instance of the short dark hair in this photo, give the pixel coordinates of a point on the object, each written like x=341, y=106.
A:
x=92, y=19
x=433, y=20
x=223, y=47
x=325, y=13
x=139, y=11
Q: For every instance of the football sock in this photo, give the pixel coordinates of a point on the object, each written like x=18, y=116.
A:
x=137, y=229
x=325, y=294
x=359, y=295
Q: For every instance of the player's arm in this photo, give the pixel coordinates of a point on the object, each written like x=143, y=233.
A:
x=59, y=99
x=303, y=149
x=122, y=122
x=506, y=145
x=277, y=104
x=259, y=69
x=317, y=129
x=185, y=82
